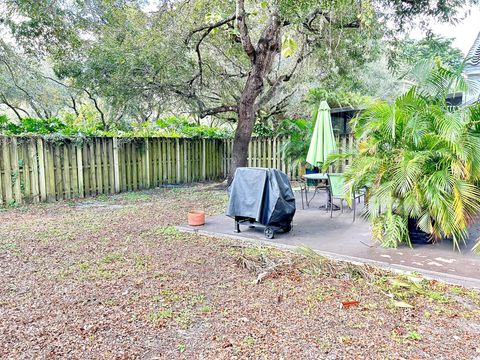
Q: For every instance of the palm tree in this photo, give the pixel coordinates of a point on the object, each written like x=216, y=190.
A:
x=299, y=132
x=420, y=159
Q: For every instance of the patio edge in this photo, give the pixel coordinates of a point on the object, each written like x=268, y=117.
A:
x=401, y=269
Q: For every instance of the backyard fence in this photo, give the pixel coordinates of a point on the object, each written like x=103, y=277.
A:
x=35, y=169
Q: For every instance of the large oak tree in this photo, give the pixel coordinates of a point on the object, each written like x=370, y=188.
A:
x=231, y=59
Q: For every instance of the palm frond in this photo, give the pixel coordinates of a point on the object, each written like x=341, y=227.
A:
x=420, y=159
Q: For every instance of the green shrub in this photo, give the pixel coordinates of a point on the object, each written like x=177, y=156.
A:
x=420, y=159
x=85, y=125
x=31, y=126
x=300, y=134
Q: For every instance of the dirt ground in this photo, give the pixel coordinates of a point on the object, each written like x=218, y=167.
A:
x=112, y=278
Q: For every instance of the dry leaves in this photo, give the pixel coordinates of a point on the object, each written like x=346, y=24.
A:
x=112, y=278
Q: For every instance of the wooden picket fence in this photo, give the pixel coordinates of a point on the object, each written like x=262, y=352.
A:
x=36, y=169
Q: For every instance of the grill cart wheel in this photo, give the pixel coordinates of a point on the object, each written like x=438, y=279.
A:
x=269, y=233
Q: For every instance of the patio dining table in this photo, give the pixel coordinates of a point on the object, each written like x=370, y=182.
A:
x=315, y=176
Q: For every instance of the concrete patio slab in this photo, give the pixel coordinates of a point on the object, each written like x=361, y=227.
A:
x=341, y=238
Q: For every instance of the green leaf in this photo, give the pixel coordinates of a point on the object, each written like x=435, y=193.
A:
x=289, y=46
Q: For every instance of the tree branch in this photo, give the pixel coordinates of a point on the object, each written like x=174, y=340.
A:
x=282, y=79
x=12, y=107
x=308, y=23
x=209, y=27
x=243, y=29
x=31, y=100
x=218, y=110
x=95, y=103
x=74, y=105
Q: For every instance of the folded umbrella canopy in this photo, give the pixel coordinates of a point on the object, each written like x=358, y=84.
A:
x=323, y=141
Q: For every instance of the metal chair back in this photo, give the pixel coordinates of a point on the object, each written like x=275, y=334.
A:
x=337, y=185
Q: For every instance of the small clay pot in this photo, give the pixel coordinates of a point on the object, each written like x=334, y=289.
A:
x=196, y=217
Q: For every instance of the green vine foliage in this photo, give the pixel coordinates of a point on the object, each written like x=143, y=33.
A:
x=172, y=126
x=299, y=132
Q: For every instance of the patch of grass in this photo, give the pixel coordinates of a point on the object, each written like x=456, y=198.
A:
x=167, y=231
x=197, y=300
x=8, y=246
x=140, y=261
x=196, y=261
x=473, y=295
x=344, y=339
x=157, y=316
x=98, y=271
x=171, y=296
x=406, y=288
x=436, y=296
x=104, y=241
x=401, y=336
x=369, y=306
x=206, y=309
x=112, y=257
x=249, y=341
x=169, y=234
x=317, y=296
x=456, y=290
x=184, y=318
x=181, y=348
x=324, y=345
x=160, y=276
x=84, y=266
x=440, y=309
x=134, y=196
x=61, y=274
x=59, y=233
x=413, y=335
x=103, y=197
x=355, y=325
x=101, y=273
x=258, y=251
x=109, y=302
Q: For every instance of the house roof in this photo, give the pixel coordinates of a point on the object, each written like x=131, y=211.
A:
x=473, y=64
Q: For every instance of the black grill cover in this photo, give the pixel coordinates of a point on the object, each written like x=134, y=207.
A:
x=263, y=195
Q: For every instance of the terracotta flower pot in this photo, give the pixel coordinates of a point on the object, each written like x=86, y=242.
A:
x=196, y=217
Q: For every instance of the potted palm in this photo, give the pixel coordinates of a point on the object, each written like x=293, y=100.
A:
x=420, y=159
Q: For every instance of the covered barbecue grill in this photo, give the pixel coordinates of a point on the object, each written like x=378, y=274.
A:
x=262, y=196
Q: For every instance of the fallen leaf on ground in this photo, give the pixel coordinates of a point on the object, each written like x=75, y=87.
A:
x=402, y=304
x=350, y=303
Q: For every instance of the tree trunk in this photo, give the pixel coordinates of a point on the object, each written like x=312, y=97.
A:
x=243, y=133
x=262, y=59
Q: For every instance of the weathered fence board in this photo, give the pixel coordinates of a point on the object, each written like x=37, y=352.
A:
x=37, y=169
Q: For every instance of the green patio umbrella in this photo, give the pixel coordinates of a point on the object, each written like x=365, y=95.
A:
x=323, y=141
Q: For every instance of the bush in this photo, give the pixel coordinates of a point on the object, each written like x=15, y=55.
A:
x=83, y=127
x=300, y=134
x=183, y=127
x=31, y=126
x=420, y=159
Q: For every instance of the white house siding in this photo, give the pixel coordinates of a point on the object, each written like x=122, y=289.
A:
x=472, y=70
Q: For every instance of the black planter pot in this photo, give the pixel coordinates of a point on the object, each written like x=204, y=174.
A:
x=417, y=236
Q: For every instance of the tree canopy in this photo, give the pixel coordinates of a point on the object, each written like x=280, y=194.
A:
x=430, y=48
x=132, y=61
